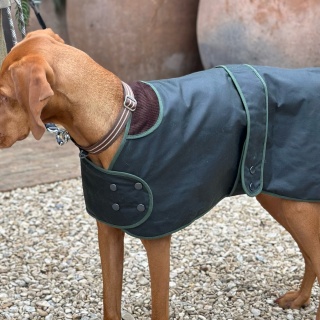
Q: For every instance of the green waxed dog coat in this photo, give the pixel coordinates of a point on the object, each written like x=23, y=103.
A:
x=228, y=130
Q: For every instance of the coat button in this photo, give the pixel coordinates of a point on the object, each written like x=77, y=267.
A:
x=138, y=186
x=252, y=170
x=113, y=187
x=253, y=187
x=115, y=207
x=141, y=207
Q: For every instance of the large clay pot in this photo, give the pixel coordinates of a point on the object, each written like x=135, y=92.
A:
x=137, y=39
x=282, y=33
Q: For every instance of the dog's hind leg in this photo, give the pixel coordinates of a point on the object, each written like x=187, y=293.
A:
x=111, y=245
x=300, y=298
x=158, y=252
x=302, y=220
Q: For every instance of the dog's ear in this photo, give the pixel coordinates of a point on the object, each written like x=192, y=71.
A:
x=31, y=76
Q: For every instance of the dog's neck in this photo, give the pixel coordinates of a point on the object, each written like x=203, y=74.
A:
x=91, y=105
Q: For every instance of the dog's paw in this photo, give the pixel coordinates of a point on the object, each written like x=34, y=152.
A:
x=293, y=300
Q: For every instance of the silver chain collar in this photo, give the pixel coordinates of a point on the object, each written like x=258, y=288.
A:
x=62, y=135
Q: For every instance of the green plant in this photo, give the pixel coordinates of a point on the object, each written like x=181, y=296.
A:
x=25, y=8
x=25, y=11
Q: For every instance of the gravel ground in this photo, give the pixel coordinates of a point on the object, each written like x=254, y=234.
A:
x=230, y=264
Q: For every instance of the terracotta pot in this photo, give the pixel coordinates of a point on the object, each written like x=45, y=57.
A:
x=269, y=32
x=137, y=39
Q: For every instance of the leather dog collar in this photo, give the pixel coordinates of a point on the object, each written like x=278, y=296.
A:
x=107, y=140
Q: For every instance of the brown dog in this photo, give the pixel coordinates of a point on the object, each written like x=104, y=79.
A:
x=43, y=80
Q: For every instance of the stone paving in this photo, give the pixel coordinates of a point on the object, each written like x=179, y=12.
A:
x=30, y=162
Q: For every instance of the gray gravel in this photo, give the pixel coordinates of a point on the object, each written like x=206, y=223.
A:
x=230, y=264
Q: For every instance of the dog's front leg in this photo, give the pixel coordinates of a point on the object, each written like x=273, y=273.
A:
x=158, y=252
x=111, y=253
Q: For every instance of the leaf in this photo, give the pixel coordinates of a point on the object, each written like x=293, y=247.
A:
x=25, y=9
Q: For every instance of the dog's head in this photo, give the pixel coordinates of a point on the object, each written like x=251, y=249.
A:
x=26, y=81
